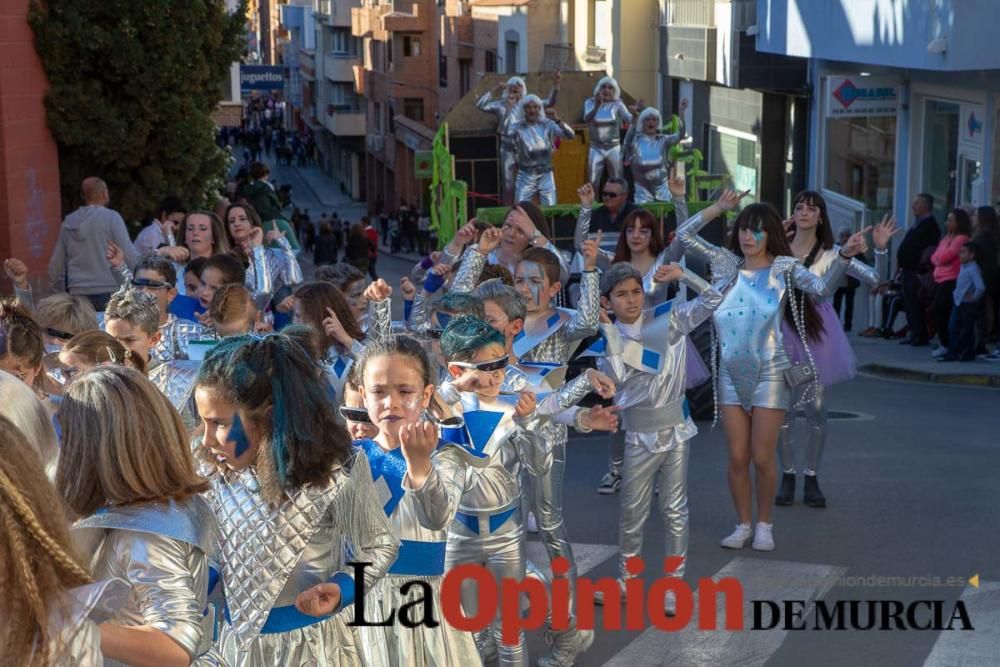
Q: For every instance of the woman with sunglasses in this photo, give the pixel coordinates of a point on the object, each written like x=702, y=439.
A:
x=647, y=151
x=604, y=114
x=534, y=140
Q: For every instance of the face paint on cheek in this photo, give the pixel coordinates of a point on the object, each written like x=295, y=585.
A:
x=534, y=270
x=238, y=436
x=758, y=236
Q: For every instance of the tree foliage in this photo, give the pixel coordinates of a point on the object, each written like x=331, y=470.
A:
x=133, y=85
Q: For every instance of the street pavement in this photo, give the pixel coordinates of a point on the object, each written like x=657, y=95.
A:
x=909, y=475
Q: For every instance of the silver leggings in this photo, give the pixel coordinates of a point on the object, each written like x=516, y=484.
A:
x=599, y=160
x=503, y=554
x=638, y=478
x=815, y=415
x=542, y=184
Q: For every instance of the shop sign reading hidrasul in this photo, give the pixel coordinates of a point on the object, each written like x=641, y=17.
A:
x=860, y=96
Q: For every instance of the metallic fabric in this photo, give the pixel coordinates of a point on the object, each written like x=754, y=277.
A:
x=176, y=380
x=555, y=342
x=423, y=516
x=271, y=554
x=649, y=158
x=74, y=632
x=535, y=143
x=604, y=123
x=752, y=357
x=530, y=184
x=161, y=551
x=872, y=275
x=270, y=270
x=174, y=337
x=379, y=319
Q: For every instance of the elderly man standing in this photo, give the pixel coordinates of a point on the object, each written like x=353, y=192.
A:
x=79, y=262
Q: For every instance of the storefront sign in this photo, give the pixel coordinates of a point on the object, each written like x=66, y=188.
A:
x=262, y=77
x=971, y=127
x=861, y=96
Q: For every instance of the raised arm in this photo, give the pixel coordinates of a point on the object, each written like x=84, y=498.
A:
x=585, y=319
x=590, y=107
x=687, y=316
x=438, y=497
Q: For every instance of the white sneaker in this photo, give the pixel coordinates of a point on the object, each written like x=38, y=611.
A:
x=939, y=351
x=763, y=539
x=739, y=537
x=532, y=524
x=670, y=604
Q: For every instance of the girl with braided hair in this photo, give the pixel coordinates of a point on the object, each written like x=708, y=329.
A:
x=126, y=470
x=289, y=492
x=50, y=606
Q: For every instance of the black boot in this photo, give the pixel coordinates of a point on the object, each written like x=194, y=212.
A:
x=786, y=492
x=811, y=495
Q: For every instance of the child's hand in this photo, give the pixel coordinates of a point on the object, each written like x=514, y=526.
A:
x=668, y=273
x=287, y=305
x=418, y=442
x=525, y=404
x=589, y=249
x=466, y=382
x=407, y=288
x=441, y=270
x=600, y=418
x=335, y=330
x=465, y=234
x=604, y=317
x=114, y=255
x=379, y=290
x=489, y=240
x=676, y=183
x=602, y=384
x=205, y=320
x=175, y=253
x=17, y=271
x=320, y=600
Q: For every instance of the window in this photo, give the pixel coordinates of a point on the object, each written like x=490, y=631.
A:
x=411, y=46
x=861, y=159
x=377, y=116
x=464, y=76
x=592, y=22
x=734, y=155
x=413, y=108
x=940, y=156
x=442, y=67
x=343, y=43
x=491, y=60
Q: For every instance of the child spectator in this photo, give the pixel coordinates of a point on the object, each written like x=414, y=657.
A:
x=232, y=310
x=968, y=294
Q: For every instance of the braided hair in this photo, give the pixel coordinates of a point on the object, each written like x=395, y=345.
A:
x=273, y=382
x=35, y=541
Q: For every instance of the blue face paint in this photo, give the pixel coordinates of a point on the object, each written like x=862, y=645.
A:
x=238, y=436
x=758, y=236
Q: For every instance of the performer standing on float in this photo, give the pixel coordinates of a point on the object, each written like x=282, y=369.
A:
x=508, y=112
x=813, y=245
x=534, y=142
x=647, y=152
x=604, y=114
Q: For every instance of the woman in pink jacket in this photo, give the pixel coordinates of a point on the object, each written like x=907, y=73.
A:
x=946, y=266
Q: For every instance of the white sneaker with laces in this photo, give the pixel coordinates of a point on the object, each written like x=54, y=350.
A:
x=939, y=351
x=532, y=523
x=763, y=538
x=738, y=538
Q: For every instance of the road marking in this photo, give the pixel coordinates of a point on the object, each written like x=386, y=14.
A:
x=979, y=647
x=588, y=556
x=761, y=580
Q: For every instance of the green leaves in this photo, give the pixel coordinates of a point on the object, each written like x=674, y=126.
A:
x=132, y=89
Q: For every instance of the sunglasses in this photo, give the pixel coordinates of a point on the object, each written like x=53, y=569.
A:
x=607, y=194
x=486, y=366
x=359, y=415
x=151, y=284
x=58, y=333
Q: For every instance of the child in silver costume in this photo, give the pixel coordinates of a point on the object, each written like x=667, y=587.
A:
x=644, y=354
x=290, y=495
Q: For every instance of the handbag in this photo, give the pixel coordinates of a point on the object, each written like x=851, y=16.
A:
x=802, y=373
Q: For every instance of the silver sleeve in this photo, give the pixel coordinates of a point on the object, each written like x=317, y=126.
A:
x=867, y=273
x=418, y=314
x=291, y=271
x=26, y=297
x=687, y=232
x=258, y=277
x=122, y=274
x=564, y=130
x=623, y=112
x=487, y=103
x=807, y=281
x=566, y=396
x=584, y=321
x=468, y=274
x=687, y=316
x=611, y=363
x=437, y=500
x=582, y=230
x=379, y=319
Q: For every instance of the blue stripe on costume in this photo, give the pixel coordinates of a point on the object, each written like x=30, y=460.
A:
x=419, y=559
x=389, y=465
x=663, y=308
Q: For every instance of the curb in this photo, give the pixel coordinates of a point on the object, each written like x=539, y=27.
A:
x=909, y=375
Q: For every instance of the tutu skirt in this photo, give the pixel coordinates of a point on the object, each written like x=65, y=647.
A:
x=832, y=352
x=697, y=371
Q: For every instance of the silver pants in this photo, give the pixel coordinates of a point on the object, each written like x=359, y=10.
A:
x=600, y=159
x=542, y=184
x=508, y=173
x=547, y=503
x=503, y=554
x=638, y=478
x=647, y=192
x=815, y=415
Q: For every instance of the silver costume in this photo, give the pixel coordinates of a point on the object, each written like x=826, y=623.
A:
x=467, y=277
x=508, y=115
x=176, y=380
x=815, y=409
x=270, y=270
x=648, y=155
x=647, y=361
x=420, y=519
x=752, y=358
x=163, y=551
x=604, y=121
x=271, y=554
x=174, y=337
x=74, y=632
x=534, y=144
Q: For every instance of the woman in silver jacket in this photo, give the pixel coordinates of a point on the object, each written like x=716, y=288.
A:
x=605, y=114
x=126, y=469
x=534, y=143
x=296, y=505
x=647, y=152
x=272, y=272
x=762, y=283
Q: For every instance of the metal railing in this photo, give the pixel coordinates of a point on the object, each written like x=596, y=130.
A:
x=558, y=56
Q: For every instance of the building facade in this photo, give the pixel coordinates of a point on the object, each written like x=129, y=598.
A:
x=905, y=100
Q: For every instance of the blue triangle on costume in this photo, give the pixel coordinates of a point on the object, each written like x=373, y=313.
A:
x=663, y=308
x=650, y=358
x=481, y=424
x=389, y=465
x=598, y=346
x=339, y=366
x=552, y=320
x=520, y=335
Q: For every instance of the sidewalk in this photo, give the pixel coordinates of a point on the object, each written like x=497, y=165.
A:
x=887, y=358
x=314, y=190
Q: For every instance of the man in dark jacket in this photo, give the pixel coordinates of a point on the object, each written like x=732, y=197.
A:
x=608, y=218
x=924, y=234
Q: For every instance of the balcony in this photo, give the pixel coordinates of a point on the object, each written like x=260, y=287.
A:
x=349, y=122
x=595, y=54
x=558, y=56
x=359, y=79
x=339, y=67
x=336, y=13
x=401, y=20
x=367, y=22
